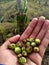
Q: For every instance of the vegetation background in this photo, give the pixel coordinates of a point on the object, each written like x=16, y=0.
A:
x=8, y=18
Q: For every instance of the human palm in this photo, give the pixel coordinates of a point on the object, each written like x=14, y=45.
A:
x=36, y=29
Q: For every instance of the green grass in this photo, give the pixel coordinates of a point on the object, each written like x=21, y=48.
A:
x=34, y=9
x=8, y=29
x=7, y=5
x=9, y=8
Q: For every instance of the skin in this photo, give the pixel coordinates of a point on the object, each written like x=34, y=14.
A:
x=38, y=28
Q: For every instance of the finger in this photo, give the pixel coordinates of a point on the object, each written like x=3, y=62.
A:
x=43, y=30
x=29, y=29
x=30, y=62
x=38, y=27
x=35, y=57
x=14, y=38
x=11, y=40
x=44, y=44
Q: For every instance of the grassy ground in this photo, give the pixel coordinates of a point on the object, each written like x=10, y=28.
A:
x=34, y=9
x=7, y=30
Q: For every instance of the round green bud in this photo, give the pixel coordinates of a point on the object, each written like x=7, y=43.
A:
x=29, y=49
x=24, y=53
x=27, y=44
x=18, y=50
x=31, y=39
x=22, y=60
x=36, y=49
x=23, y=48
x=12, y=46
x=33, y=44
x=19, y=55
x=18, y=44
x=37, y=41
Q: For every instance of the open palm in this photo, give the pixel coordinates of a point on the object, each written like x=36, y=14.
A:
x=36, y=29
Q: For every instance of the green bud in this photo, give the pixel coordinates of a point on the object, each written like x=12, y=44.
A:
x=12, y=46
x=27, y=44
x=22, y=60
x=18, y=44
x=23, y=48
x=37, y=41
x=29, y=49
x=36, y=49
x=24, y=53
x=33, y=44
x=18, y=50
x=31, y=39
x=19, y=55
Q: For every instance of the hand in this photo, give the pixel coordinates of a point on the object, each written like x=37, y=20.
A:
x=31, y=31
x=7, y=56
x=38, y=28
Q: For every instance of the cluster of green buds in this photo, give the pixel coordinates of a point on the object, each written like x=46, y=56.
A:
x=31, y=45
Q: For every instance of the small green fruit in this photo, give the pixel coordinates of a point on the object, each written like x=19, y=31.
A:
x=18, y=44
x=36, y=49
x=37, y=41
x=23, y=48
x=27, y=44
x=22, y=60
x=18, y=50
x=29, y=49
x=12, y=46
x=24, y=53
x=31, y=39
x=19, y=55
x=33, y=44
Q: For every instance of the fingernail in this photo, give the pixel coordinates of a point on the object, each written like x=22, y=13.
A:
x=41, y=18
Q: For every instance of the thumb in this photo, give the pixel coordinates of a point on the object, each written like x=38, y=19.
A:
x=11, y=40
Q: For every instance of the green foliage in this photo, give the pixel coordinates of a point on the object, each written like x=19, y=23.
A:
x=9, y=13
x=5, y=0
x=8, y=29
x=36, y=9
x=22, y=22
